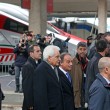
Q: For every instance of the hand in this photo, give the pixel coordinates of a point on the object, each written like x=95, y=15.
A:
x=86, y=105
x=19, y=45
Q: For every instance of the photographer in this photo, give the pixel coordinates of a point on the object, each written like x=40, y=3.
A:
x=21, y=51
x=43, y=41
x=30, y=37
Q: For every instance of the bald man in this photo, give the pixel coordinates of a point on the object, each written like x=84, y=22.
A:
x=99, y=93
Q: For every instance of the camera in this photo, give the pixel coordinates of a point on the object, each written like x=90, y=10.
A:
x=23, y=40
x=40, y=39
x=23, y=43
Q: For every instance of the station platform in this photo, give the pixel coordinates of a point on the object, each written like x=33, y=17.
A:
x=12, y=101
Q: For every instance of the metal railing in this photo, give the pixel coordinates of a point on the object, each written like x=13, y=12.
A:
x=6, y=61
x=4, y=69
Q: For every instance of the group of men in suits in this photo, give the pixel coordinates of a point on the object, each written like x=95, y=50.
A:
x=52, y=88
x=50, y=85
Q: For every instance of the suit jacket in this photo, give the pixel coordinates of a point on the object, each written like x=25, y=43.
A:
x=67, y=88
x=27, y=82
x=47, y=89
x=99, y=94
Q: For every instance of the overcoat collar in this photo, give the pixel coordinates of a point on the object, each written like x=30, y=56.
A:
x=51, y=70
x=104, y=82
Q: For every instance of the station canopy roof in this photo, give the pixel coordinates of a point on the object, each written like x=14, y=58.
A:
x=75, y=8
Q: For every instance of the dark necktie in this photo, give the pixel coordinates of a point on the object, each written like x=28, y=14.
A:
x=68, y=76
x=56, y=71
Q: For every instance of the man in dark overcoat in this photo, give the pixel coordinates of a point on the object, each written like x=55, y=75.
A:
x=47, y=87
x=28, y=74
x=92, y=68
x=66, y=80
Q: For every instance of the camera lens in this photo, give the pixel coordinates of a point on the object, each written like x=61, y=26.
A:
x=22, y=40
x=22, y=45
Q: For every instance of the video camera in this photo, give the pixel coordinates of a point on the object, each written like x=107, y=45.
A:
x=22, y=42
x=40, y=39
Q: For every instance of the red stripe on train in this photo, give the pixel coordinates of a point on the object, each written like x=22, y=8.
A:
x=6, y=50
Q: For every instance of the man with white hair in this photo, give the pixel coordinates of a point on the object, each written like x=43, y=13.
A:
x=47, y=88
x=99, y=93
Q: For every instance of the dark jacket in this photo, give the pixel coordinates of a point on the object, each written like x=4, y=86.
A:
x=99, y=94
x=61, y=44
x=68, y=94
x=21, y=55
x=27, y=82
x=91, y=72
x=47, y=89
x=91, y=52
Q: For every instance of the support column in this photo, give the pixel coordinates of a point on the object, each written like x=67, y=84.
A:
x=38, y=16
x=43, y=16
x=102, y=16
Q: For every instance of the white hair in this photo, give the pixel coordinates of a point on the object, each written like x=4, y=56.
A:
x=49, y=51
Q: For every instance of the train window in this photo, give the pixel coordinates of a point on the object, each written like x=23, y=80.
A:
x=20, y=28
x=15, y=26
x=73, y=25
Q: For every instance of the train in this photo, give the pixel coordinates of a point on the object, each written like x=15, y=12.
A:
x=13, y=22
x=76, y=26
